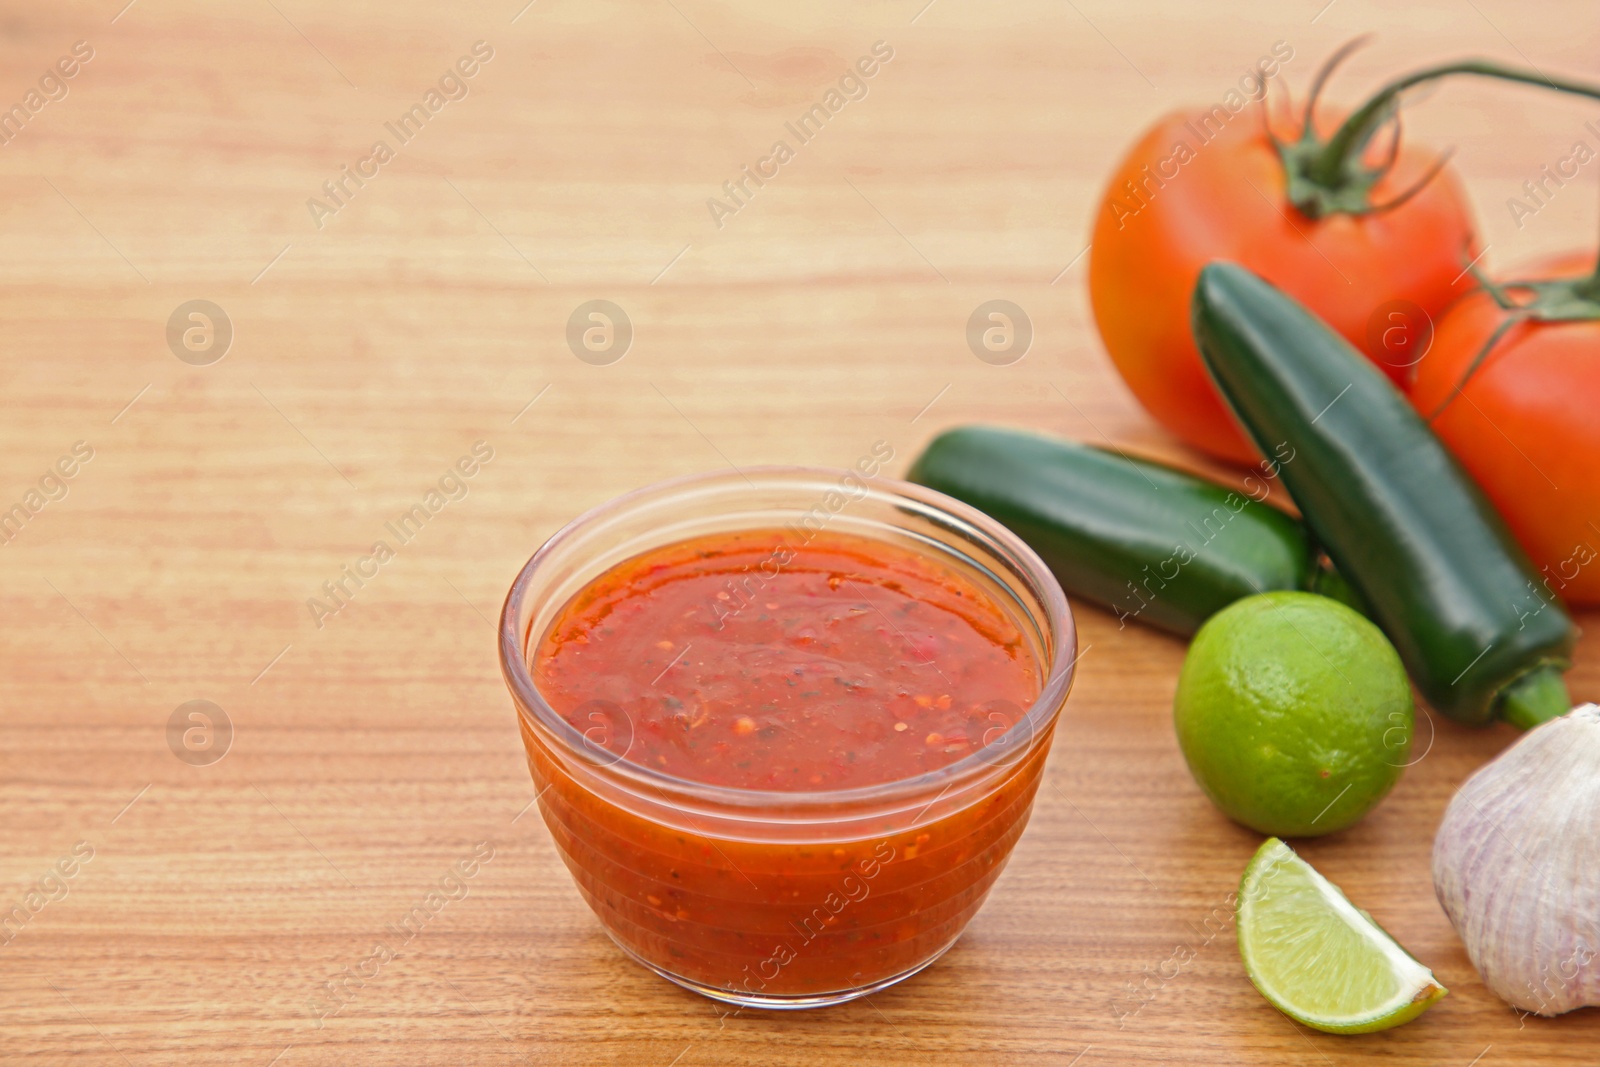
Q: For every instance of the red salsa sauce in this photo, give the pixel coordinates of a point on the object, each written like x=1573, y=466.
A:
x=766, y=661
x=738, y=660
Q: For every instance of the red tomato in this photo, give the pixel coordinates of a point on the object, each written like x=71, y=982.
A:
x=1525, y=426
x=1188, y=193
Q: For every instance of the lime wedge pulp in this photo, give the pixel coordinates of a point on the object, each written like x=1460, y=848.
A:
x=1318, y=958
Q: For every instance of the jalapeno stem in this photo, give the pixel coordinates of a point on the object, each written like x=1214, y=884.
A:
x=1329, y=166
x=1537, y=697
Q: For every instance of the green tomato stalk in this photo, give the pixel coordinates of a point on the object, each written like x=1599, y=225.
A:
x=1331, y=177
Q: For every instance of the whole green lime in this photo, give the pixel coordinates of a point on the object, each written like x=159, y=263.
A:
x=1294, y=713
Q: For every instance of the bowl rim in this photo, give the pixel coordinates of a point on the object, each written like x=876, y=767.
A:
x=1058, y=625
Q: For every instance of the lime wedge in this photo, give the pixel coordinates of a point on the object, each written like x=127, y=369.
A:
x=1318, y=958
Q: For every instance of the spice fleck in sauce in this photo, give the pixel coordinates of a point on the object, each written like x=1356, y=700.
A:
x=741, y=661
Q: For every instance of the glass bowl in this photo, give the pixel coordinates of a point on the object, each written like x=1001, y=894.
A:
x=784, y=899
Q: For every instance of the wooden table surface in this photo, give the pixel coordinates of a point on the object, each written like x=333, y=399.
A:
x=378, y=337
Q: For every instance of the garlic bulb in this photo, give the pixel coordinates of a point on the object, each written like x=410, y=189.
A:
x=1516, y=865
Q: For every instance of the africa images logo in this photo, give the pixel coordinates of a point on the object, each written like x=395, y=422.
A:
x=453, y=84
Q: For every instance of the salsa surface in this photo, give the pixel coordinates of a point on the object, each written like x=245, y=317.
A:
x=759, y=660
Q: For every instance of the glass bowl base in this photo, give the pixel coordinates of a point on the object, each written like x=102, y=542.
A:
x=791, y=1001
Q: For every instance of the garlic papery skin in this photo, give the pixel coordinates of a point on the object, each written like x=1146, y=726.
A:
x=1516, y=865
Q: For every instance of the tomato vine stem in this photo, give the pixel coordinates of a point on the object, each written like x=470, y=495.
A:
x=1330, y=166
x=1330, y=177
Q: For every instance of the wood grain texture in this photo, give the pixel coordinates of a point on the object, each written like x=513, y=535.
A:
x=372, y=753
